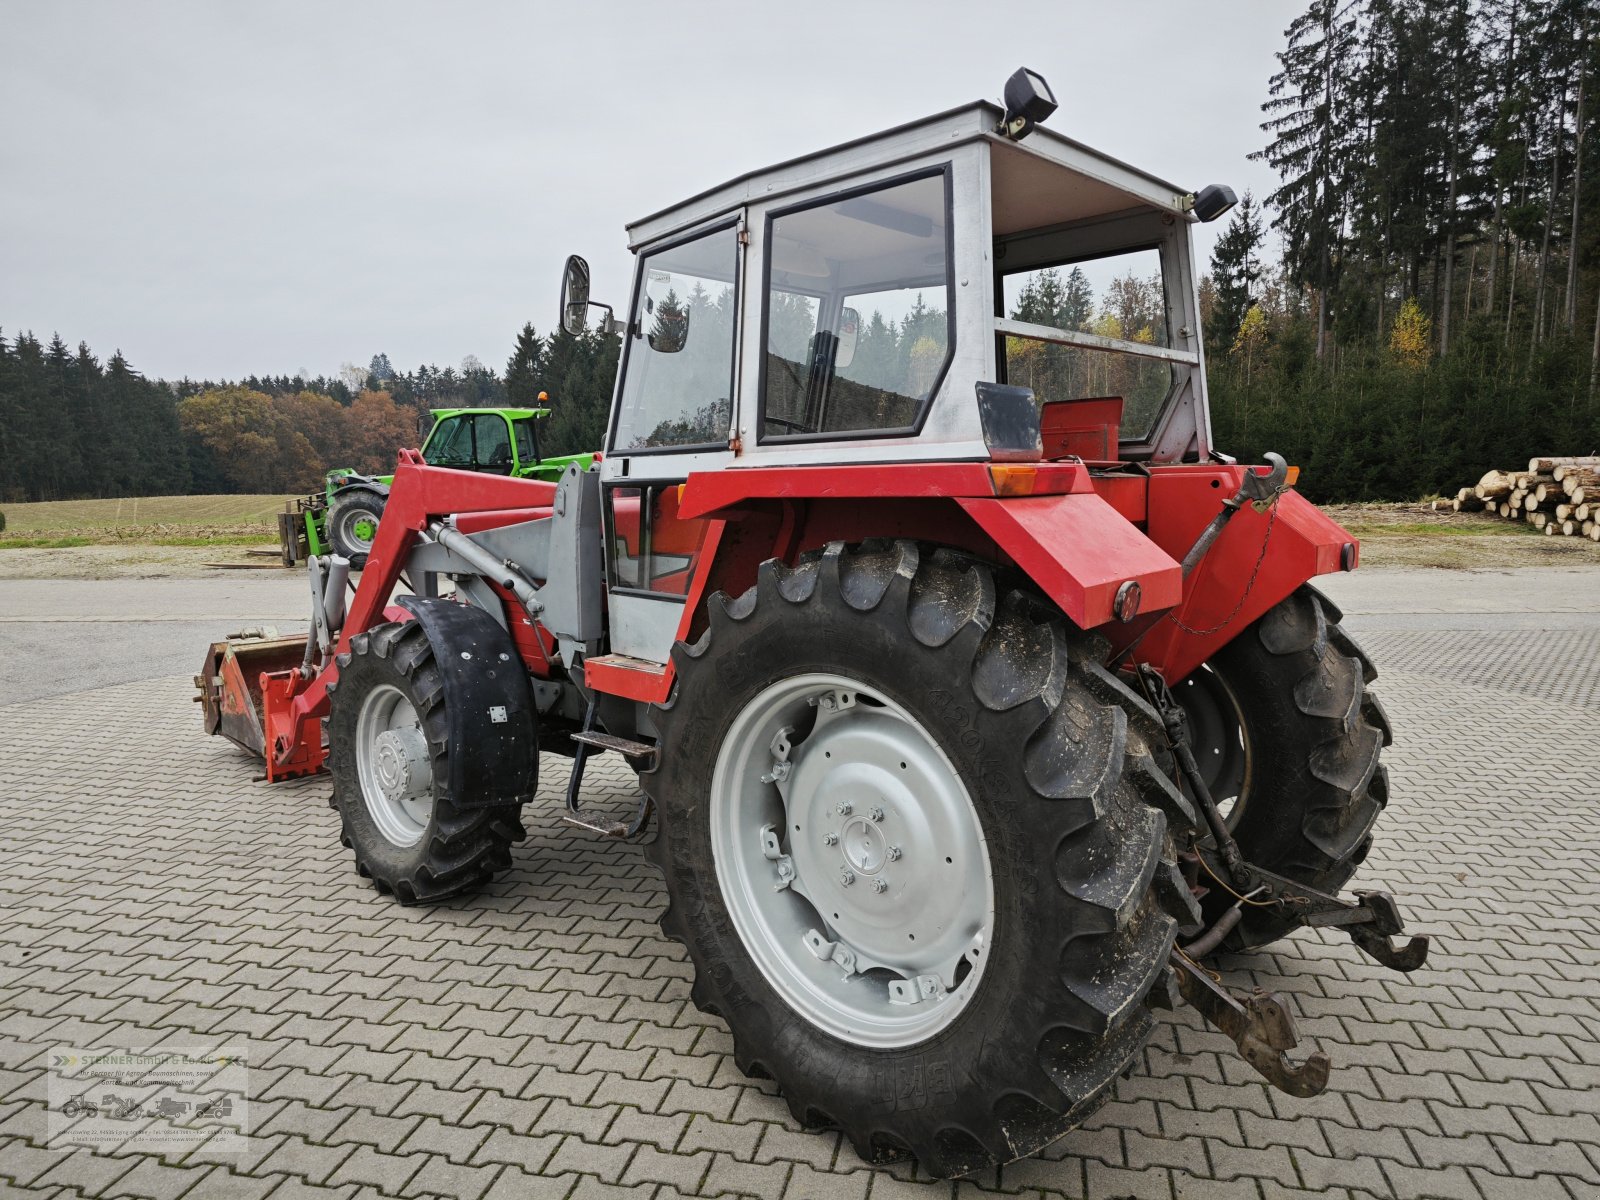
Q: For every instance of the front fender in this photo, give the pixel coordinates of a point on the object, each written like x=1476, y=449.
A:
x=494, y=737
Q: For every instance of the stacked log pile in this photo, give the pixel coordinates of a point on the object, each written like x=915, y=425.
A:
x=1558, y=495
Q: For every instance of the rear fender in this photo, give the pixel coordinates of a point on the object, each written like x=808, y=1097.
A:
x=1080, y=552
x=1259, y=560
x=1074, y=545
x=494, y=741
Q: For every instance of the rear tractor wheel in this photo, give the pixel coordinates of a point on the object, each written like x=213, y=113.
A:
x=388, y=735
x=917, y=848
x=353, y=526
x=1288, y=739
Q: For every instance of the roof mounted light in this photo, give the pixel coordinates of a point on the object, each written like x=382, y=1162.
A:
x=1029, y=100
x=1211, y=201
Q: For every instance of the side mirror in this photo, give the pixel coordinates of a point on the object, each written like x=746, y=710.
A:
x=575, y=295
x=849, y=332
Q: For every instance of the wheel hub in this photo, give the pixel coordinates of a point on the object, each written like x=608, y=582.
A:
x=401, y=764
x=864, y=847
x=394, y=766
x=852, y=859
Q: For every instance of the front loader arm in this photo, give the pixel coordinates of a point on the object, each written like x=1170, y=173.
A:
x=296, y=704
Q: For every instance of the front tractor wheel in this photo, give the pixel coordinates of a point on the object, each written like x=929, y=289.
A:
x=353, y=526
x=388, y=735
x=917, y=848
x=1289, y=739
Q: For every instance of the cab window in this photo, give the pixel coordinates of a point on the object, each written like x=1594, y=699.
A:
x=527, y=441
x=858, y=320
x=1119, y=296
x=471, y=442
x=677, y=382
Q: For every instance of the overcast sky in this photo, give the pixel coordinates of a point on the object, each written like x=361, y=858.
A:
x=223, y=189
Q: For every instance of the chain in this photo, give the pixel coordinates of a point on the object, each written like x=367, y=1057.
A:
x=1266, y=539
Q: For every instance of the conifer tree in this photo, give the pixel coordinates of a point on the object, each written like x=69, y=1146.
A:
x=524, y=380
x=1235, y=270
x=1312, y=122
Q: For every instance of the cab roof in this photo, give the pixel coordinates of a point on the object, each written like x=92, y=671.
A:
x=514, y=414
x=974, y=122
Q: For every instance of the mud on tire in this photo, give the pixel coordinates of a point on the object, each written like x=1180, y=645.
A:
x=1054, y=754
x=1313, y=737
x=458, y=849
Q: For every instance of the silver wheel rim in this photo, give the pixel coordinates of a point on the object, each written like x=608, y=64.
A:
x=1221, y=749
x=393, y=765
x=349, y=519
x=852, y=860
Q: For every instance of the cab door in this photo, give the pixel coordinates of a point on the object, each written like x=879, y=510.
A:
x=674, y=413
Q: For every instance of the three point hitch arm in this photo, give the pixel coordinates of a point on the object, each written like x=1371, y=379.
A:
x=1258, y=1024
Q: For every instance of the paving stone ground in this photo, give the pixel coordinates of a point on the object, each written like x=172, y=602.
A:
x=538, y=1040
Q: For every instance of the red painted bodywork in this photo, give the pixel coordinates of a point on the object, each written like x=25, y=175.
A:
x=1078, y=534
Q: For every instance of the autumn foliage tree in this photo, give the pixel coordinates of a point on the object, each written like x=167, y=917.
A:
x=255, y=442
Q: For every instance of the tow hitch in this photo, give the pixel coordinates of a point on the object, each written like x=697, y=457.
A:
x=1258, y=1024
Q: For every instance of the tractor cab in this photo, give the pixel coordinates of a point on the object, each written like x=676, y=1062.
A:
x=959, y=289
x=502, y=441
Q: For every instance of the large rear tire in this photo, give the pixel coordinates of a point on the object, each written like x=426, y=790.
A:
x=389, y=737
x=883, y=716
x=1289, y=739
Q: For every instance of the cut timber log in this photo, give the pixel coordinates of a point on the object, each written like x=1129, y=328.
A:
x=1540, y=466
x=1548, y=491
x=1493, y=485
x=1584, y=478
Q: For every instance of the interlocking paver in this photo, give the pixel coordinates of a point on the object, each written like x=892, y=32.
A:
x=538, y=1040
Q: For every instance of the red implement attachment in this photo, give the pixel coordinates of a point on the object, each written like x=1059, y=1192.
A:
x=235, y=692
x=292, y=756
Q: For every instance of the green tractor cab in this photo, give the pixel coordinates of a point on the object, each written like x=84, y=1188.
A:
x=343, y=518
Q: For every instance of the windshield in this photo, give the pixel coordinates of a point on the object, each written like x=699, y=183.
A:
x=1119, y=300
x=677, y=384
x=470, y=441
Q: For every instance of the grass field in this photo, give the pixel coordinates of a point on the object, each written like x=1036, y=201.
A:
x=143, y=520
x=56, y=516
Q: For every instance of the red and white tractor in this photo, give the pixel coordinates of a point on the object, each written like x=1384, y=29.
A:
x=975, y=695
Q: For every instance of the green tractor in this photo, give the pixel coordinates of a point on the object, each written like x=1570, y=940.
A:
x=343, y=518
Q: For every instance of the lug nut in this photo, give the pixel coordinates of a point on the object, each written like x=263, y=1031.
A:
x=894, y=853
x=847, y=877
x=877, y=814
x=845, y=808
x=880, y=885
x=830, y=839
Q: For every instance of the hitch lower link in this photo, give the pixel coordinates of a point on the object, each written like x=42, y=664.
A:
x=1258, y=1024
